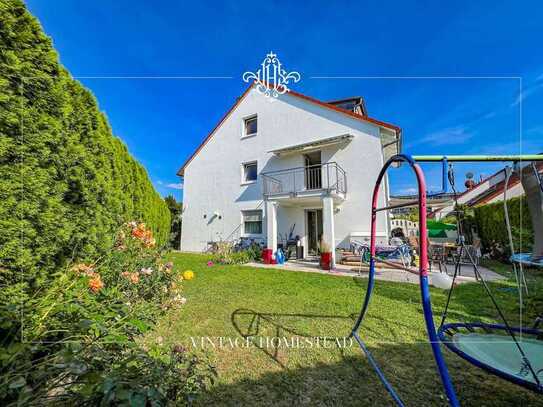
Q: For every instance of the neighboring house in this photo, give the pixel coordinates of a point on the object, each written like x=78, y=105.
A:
x=433, y=203
x=487, y=191
x=272, y=165
x=406, y=227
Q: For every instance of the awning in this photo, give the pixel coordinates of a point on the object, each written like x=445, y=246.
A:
x=391, y=143
x=312, y=145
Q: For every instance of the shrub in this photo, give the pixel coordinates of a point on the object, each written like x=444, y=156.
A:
x=254, y=251
x=66, y=182
x=226, y=253
x=176, y=209
x=81, y=341
x=490, y=221
x=324, y=247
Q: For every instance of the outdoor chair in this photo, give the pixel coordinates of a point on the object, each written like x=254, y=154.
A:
x=464, y=258
x=437, y=255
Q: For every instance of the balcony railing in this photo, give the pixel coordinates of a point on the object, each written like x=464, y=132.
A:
x=329, y=177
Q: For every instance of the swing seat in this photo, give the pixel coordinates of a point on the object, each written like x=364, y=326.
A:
x=489, y=347
x=526, y=259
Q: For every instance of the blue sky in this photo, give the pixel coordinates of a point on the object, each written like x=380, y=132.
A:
x=163, y=120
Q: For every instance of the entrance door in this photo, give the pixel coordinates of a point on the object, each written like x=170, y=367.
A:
x=313, y=173
x=314, y=230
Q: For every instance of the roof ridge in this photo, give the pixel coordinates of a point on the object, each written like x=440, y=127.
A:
x=356, y=116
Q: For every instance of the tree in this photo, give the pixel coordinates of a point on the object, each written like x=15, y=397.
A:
x=66, y=182
x=176, y=209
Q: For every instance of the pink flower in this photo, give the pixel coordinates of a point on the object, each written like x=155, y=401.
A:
x=209, y=263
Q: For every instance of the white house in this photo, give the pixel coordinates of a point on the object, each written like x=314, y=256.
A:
x=272, y=165
x=407, y=227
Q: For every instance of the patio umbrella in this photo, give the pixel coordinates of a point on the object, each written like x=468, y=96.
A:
x=438, y=229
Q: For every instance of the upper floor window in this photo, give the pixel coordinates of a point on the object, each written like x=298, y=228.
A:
x=250, y=172
x=250, y=126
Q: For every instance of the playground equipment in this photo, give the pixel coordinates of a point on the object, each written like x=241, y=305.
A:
x=394, y=256
x=533, y=186
x=519, y=359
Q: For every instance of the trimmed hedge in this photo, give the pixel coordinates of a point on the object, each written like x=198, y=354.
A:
x=490, y=220
x=66, y=183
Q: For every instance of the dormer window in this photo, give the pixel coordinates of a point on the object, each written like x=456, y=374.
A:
x=250, y=126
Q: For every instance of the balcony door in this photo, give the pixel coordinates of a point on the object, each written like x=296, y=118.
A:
x=314, y=230
x=313, y=173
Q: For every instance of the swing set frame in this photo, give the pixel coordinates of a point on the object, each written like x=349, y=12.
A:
x=433, y=334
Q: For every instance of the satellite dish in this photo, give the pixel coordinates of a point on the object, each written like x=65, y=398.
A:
x=469, y=175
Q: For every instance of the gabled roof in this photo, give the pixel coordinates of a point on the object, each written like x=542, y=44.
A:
x=181, y=171
x=492, y=191
x=498, y=189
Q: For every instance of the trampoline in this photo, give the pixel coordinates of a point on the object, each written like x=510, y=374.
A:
x=526, y=259
x=512, y=353
x=490, y=347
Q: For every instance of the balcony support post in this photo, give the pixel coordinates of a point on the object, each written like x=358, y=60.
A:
x=328, y=225
x=271, y=225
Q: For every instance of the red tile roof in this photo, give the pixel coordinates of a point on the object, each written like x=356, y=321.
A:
x=353, y=115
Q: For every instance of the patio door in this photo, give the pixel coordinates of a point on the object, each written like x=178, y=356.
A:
x=314, y=230
x=313, y=173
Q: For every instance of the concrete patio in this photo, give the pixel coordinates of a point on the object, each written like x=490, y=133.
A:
x=387, y=274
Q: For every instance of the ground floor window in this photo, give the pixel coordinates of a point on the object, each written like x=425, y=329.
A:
x=252, y=222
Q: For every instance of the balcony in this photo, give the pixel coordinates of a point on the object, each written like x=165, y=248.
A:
x=311, y=181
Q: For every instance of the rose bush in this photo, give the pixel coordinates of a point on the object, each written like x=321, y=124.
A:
x=74, y=339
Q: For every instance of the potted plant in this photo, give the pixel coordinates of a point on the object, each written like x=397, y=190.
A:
x=326, y=255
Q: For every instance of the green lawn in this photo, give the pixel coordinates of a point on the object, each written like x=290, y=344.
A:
x=238, y=302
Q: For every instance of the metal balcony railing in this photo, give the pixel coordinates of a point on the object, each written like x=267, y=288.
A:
x=328, y=177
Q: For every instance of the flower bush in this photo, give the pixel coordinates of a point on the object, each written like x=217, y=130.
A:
x=75, y=338
x=226, y=254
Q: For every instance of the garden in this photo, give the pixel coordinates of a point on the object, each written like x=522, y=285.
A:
x=234, y=312
x=97, y=309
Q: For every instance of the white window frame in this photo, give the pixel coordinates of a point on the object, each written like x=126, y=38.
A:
x=244, y=181
x=244, y=233
x=244, y=126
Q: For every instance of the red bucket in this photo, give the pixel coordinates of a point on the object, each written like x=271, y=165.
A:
x=326, y=261
x=267, y=256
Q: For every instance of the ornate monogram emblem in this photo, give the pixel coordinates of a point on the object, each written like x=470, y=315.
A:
x=272, y=79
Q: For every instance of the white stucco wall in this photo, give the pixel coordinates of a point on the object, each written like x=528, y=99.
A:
x=212, y=181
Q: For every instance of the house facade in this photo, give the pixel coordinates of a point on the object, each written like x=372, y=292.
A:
x=275, y=168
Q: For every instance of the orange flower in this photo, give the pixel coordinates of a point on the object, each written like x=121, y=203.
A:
x=133, y=277
x=137, y=233
x=96, y=284
x=82, y=268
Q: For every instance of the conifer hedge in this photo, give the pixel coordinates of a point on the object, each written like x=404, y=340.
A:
x=66, y=182
x=492, y=229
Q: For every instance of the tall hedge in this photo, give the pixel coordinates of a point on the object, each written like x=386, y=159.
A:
x=490, y=220
x=66, y=182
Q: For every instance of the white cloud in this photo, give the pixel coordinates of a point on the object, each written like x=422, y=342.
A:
x=528, y=90
x=406, y=191
x=513, y=147
x=175, y=186
x=489, y=115
x=535, y=130
x=448, y=136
